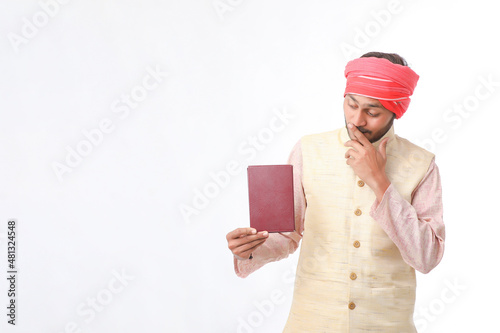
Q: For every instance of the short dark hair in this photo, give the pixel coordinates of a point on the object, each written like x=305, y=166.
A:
x=392, y=57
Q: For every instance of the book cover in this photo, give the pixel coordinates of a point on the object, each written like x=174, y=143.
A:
x=270, y=193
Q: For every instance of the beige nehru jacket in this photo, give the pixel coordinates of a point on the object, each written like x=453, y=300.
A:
x=350, y=275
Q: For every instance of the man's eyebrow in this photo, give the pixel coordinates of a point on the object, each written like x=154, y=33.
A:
x=354, y=99
x=366, y=105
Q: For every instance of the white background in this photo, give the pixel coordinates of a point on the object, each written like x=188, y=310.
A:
x=226, y=67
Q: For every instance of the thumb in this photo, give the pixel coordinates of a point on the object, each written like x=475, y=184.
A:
x=382, y=147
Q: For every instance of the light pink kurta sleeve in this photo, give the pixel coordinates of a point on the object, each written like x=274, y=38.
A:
x=416, y=228
x=279, y=245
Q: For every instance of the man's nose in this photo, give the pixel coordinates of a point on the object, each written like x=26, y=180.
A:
x=359, y=119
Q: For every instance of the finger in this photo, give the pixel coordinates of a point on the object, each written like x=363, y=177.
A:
x=250, y=246
x=382, y=147
x=358, y=135
x=351, y=153
x=256, y=246
x=244, y=251
x=354, y=144
x=347, y=154
x=249, y=238
x=241, y=232
x=234, y=243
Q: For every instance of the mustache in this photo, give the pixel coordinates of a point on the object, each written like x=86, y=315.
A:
x=363, y=130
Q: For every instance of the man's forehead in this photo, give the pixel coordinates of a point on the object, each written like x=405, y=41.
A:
x=366, y=101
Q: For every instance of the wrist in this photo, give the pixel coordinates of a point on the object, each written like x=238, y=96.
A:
x=381, y=185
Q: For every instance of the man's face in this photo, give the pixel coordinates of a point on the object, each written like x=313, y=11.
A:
x=368, y=115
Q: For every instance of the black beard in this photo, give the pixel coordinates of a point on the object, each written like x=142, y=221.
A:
x=378, y=137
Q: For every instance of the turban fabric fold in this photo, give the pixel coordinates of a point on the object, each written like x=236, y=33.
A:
x=379, y=78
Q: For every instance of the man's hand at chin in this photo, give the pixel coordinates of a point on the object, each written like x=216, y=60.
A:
x=367, y=162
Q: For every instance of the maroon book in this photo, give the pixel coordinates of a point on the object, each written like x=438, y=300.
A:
x=270, y=193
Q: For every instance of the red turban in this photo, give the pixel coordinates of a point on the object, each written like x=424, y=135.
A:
x=379, y=78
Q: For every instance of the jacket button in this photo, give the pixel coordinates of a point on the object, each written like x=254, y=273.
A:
x=361, y=183
x=356, y=244
x=353, y=276
x=357, y=212
x=352, y=305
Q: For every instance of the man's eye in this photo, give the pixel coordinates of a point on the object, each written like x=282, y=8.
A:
x=371, y=114
x=353, y=106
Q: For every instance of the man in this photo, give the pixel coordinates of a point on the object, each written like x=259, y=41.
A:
x=368, y=210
